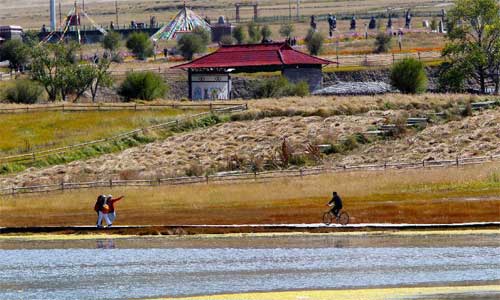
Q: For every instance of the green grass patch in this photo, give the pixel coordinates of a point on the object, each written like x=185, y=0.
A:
x=26, y=132
x=112, y=146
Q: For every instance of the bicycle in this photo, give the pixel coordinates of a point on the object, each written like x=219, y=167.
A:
x=342, y=218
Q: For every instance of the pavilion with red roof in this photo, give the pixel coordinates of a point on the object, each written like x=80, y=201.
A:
x=209, y=76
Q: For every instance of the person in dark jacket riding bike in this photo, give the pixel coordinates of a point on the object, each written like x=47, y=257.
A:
x=336, y=202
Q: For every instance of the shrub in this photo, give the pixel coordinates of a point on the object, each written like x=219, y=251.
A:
x=280, y=87
x=254, y=32
x=189, y=44
x=286, y=30
x=408, y=76
x=227, y=40
x=140, y=45
x=266, y=32
x=239, y=34
x=451, y=78
x=111, y=41
x=382, y=43
x=314, y=42
x=25, y=91
x=143, y=85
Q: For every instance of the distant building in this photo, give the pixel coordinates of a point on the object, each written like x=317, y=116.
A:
x=11, y=32
x=210, y=76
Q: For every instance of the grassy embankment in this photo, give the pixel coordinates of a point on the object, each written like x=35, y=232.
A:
x=27, y=132
x=442, y=195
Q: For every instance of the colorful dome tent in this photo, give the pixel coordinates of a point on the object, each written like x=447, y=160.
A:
x=185, y=21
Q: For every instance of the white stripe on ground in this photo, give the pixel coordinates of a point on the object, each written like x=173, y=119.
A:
x=311, y=225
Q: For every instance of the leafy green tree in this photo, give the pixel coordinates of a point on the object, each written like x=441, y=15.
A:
x=16, y=52
x=102, y=78
x=204, y=34
x=266, y=32
x=48, y=67
x=383, y=43
x=314, y=42
x=286, y=30
x=112, y=41
x=143, y=85
x=254, y=32
x=140, y=44
x=239, y=34
x=189, y=44
x=474, y=40
x=409, y=76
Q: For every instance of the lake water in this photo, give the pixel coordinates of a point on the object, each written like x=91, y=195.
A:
x=154, y=267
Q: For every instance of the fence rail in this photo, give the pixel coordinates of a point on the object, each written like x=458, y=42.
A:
x=113, y=107
x=33, y=156
x=241, y=176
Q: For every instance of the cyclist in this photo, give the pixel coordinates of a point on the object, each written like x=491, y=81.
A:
x=336, y=202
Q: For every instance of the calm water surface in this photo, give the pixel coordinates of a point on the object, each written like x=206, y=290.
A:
x=153, y=267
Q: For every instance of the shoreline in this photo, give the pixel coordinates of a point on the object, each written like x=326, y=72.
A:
x=382, y=293
x=85, y=232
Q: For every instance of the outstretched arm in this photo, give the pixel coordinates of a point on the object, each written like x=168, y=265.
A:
x=117, y=199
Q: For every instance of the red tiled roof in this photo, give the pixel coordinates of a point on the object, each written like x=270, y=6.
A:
x=251, y=55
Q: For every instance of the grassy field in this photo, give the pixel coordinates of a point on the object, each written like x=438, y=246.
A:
x=464, y=194
x=24, y=132
x=35, y=13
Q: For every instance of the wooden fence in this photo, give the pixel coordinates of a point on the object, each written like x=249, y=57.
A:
x=33, y=156
x=242, y=176
x=381, y=60
x=114, y=107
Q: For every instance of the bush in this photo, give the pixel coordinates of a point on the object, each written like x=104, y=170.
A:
x=239, y=34
x=254, y=32
x=112, y=41
x=227, y=40
x=451, y=78
x=314, y=42
x=382, y=43
x=266, y=32
x=24, y=91
x=140, y=45
x=143, y=85
x=189, y=44
x=408, y=76
x=280, y=87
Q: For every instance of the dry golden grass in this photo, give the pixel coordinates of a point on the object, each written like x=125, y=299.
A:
x=446, y=195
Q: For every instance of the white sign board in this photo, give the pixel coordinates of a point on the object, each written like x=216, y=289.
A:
x=210, y=86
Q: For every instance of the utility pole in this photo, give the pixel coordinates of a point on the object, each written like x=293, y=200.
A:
x=289, y=9
x=60, y=13
x=116, y=12
x=298, y=10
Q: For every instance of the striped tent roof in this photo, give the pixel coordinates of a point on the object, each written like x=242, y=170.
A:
x=185, y=21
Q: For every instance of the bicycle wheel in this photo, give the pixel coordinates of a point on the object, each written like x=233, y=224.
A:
x=327, y=218
x=343, y=219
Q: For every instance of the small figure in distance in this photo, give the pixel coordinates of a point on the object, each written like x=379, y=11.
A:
x=336, y=202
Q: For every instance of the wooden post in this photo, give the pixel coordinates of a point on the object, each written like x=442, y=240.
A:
x=111, y=183
x=33, y=156
x=385, y=165
x=338, y=63
x=393, y=59
x=62, y=185
x=419, y=56
x=423, y=163
x=301, y=173
x=458, y=163
x=206, y=178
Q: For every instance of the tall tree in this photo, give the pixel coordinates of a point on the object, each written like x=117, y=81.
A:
x=474, y=46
